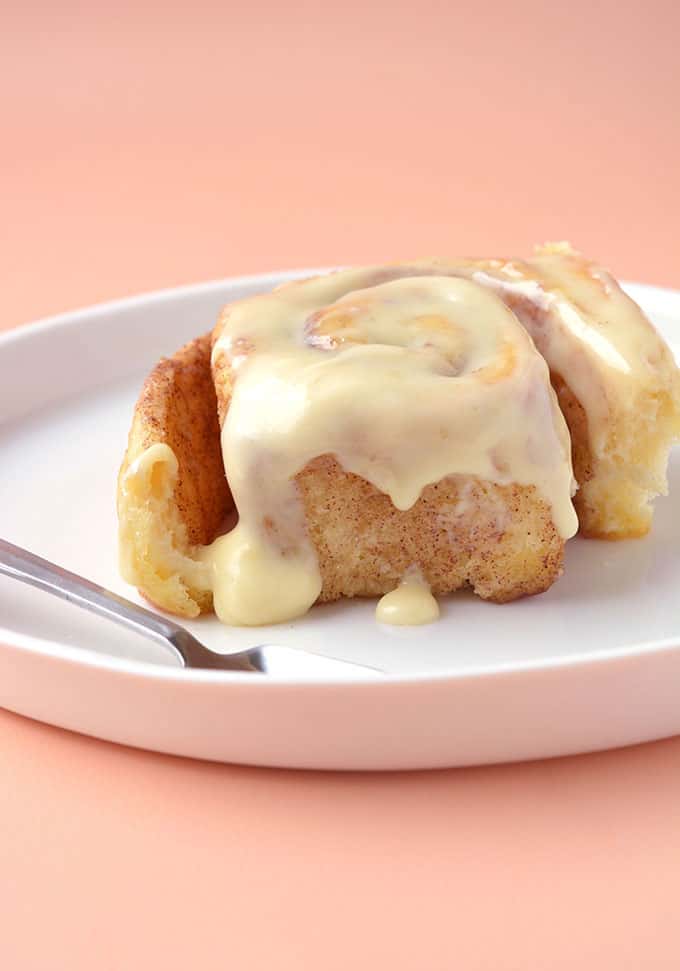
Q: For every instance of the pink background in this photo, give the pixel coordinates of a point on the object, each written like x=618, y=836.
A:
x=150, y=144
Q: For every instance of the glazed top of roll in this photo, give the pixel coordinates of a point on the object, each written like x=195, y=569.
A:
x=588, y=329
x=407, y=375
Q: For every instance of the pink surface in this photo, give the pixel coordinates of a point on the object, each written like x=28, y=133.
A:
x=147, y=145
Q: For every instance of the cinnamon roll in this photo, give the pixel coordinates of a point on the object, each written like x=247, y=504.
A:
x=397, y=432
x=380, y=421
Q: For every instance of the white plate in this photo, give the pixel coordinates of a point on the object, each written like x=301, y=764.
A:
x=593, y=663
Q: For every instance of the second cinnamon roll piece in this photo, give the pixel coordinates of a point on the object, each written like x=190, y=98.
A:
x=616, y=378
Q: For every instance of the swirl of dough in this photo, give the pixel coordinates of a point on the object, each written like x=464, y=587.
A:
x=432, y=316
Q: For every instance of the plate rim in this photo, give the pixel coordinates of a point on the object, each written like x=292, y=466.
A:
x=643, y=292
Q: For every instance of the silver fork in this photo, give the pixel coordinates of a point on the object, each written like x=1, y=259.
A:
x=263, y=659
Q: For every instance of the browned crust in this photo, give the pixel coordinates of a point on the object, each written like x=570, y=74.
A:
x=178, y=406
x=174, y=503
x=462, y=532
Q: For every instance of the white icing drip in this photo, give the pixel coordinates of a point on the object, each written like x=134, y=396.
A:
x=410, y=604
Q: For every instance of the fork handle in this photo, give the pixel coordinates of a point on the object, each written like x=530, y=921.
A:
x=21, y=565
